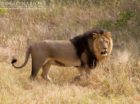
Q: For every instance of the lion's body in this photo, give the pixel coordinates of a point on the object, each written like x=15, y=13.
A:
x=83, y=52
x=60, y=51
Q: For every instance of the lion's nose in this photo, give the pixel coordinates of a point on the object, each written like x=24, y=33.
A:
x=105, y=48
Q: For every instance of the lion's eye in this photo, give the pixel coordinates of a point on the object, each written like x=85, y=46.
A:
x=107, y=41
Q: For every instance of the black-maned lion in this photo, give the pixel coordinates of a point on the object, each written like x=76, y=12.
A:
x=83, y=51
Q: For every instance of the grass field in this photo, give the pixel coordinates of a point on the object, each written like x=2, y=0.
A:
x=116, y=81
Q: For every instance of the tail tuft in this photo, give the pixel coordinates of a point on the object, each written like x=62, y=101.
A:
x=13, y=61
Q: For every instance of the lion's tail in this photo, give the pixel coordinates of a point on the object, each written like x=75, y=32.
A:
x=14, y=60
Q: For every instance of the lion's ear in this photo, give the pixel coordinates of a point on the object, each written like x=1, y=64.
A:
x=95, y=35
x=108, y=34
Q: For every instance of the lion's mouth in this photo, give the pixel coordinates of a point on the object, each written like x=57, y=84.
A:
x=104, y=53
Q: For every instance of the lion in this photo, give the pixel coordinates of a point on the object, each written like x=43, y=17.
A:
x=83, y=52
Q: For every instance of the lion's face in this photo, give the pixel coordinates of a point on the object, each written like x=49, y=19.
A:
x=102, y=45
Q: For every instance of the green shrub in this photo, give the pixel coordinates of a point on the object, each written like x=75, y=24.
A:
x=107, y=24
x=123, y=18
x=121, y=21
x=3, y=11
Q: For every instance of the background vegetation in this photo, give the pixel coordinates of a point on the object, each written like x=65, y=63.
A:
x=116, y=81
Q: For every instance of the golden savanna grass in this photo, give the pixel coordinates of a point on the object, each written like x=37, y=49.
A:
x=115, y=81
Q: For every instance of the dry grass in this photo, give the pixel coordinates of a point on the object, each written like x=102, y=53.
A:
x=116, y=81
x=114, y=84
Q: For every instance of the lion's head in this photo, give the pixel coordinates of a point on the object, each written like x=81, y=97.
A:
x=102, y=45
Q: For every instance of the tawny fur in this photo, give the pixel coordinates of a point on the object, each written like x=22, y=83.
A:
x=63, y=53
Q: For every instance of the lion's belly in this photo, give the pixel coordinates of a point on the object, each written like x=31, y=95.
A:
x=64, y=52
x=68, y=62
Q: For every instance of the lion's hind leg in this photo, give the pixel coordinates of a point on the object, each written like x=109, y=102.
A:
x=46, y=68
x=35, y=69
x=36, y=65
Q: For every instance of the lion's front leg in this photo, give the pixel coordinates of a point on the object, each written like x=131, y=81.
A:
x=87, y=71
x=84, y=72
